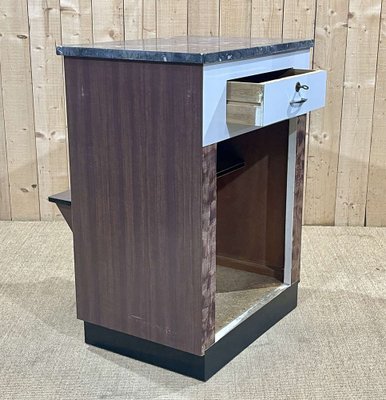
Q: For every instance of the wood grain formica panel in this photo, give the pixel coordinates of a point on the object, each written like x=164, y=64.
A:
x=298, y=196
x=137, y=192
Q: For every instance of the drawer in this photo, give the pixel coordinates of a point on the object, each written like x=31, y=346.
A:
x=264, y=99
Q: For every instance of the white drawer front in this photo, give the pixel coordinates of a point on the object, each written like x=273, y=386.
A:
x=280, y=96
x=275, y=100
x=215, y=78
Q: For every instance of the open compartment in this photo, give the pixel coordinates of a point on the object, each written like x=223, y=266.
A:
x=251, y=211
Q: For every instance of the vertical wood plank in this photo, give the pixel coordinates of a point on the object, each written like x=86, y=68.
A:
x=358, y=101
x=48, y=90
x=324, y=136
x=299, y=19
x=172, y=18
x=5, y=204
x=76, y=21
x=376, y=202
x=108, y=22
x=133, y=19
x=138, y=20
x=267, y=18
x=203, y=17
x=18, y=110
x=76, y=28
x=299, y=23
x=235, y=18
x=149, y=19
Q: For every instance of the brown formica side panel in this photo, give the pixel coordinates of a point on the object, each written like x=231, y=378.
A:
x=251, y=203
x=298, y=196
x=141, y=263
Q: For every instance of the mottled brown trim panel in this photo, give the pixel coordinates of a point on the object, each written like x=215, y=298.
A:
x=298, y=196
x=135, y=138
x=209, y=157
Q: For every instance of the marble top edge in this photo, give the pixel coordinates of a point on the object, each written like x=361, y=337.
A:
x=186, y=49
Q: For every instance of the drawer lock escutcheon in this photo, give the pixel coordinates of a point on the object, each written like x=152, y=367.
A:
x=300, y=86
x=302, y=100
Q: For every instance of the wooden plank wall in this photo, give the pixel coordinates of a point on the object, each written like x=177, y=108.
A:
x=346, y=158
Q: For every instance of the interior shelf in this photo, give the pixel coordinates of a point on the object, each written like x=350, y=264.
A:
x=227, y=159
x=240, y=291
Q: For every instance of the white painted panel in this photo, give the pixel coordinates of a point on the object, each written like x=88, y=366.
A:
x=215, y=128
x=290, y=199
x=279, y=94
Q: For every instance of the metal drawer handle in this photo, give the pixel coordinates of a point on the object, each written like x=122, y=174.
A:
x=300, y=101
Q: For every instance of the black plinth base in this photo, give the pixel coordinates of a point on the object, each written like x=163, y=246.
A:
x=218, y=355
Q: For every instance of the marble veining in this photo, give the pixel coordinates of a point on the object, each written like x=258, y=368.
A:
x=186, y=49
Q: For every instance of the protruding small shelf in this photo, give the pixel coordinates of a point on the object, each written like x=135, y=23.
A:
x=61, y=198
x=63, y=201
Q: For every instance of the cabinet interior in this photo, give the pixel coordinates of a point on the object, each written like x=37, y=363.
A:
x=250, y=232
x=272, y=75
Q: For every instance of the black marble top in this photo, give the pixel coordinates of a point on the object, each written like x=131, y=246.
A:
x=186, y=49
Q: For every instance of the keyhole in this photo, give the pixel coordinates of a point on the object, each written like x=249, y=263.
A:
x=300, y=86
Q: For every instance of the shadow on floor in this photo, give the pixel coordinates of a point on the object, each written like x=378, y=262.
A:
x=51, y=301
